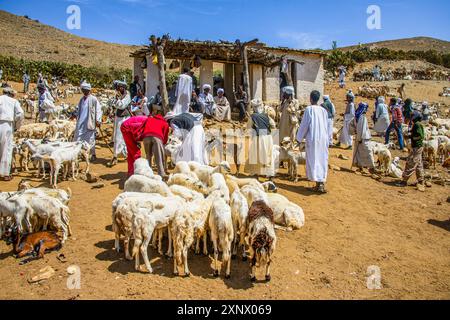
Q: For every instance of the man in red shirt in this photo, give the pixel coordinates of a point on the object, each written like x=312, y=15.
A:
x=396, y=123
x=154, y=131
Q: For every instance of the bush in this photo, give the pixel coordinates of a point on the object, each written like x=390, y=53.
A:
x=13, y=69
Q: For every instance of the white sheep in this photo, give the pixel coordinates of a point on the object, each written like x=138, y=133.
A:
x=239, y=212
x=222, y=234
x=217, y=183
x=286, y=213
x=188, y=182
x=138, y=183
x=204, y=172
x=182, y=230
x=185, y=193
x=142, y=168
x=151, y=216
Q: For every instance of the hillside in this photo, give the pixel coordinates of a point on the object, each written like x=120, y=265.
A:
x=24, y=38
x=410, y=44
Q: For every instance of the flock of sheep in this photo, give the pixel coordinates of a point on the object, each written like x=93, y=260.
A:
x=238, y=214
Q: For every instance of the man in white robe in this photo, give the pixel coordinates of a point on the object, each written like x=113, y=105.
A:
x=44, y=95
x=314, y=129
x=382, y=120
x=122, y=105
x=189, y=129
x=183, y=92
x=223, y=110
x=11, y=117
x=363, y=155
x=346, y=138
x=89, y=117
x=207, y=101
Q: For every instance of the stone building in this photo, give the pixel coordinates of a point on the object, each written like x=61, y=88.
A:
x=306, y=70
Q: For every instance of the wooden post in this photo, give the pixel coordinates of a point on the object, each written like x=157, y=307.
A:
x=244, y=57
x=158, y=46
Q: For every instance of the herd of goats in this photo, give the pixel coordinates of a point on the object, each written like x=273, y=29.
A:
x=238, y=214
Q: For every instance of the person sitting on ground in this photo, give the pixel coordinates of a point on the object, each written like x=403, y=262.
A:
x=241, y=102
x=207, y=101
x=135, y=87
x=363, y=155
x=415, y=162
x=223, y=110
x=139, y=104
x=196, y=106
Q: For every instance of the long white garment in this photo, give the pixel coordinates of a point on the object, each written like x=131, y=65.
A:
x=45, y=96
x=363, y=155
x=119, y=143
x=207, y=102
x=183, y=93
x=349, y=116
x=383, y=120
x=82, y=133
x=11, y=117
x=223, y=110
x=193, y=144
x=314, y=129
x=330, y=131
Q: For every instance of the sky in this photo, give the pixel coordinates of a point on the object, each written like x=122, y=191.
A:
x=301, y=24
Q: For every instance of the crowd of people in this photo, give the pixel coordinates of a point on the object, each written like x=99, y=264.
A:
x=138, y=119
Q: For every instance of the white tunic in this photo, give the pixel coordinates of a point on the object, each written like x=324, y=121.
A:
x=119, y=144
x=82, y=133
x=183, y=93
x=314, y=129
x=383, y=120
x=193, y=143
x=349, y=116
x=11, y=117
x=45, y=96
x=208, y=104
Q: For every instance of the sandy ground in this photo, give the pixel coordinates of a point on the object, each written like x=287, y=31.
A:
x=361, y=222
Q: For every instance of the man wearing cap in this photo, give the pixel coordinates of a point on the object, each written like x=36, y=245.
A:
x=314, y=129
x=183, y=92
x=288, y=114
x=260, y=160
x=331, y=110
x=122, y=106
x=89, y=117
x=11, y=117
x=189, y=129
x=44, y=95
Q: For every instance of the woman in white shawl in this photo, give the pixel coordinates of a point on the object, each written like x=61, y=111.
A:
x=346, y=137
x=122, y=106
x=223, y=110
x=260, y=160
x=363, y=155
x=207, y=101
x=189, y=129
x=381, y=119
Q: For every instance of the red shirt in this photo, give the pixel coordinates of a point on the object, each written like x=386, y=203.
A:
x=156, y=127
x=397, y=115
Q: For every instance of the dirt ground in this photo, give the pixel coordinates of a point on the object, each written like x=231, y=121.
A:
x=360, y=223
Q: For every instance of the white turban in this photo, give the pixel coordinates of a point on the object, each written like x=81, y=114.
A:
x=206, y=86
x=257, y=105
x=220, y=90
x=8, y=90
x=326, y=97
x=86, y=86
x=289, y=90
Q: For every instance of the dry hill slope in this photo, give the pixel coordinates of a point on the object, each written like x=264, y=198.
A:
x=410, y=44
x=19, y=37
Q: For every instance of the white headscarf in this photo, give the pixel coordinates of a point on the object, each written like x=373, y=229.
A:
x=86, y=86
x=220, y=90
x=289, y=90
x=257, y=105
x=206, y=86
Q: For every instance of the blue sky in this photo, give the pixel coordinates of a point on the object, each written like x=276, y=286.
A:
x=293, y=23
